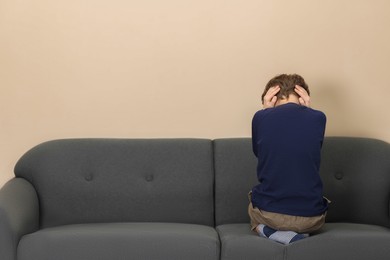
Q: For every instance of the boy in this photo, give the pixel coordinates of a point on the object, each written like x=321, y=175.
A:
x=287, y=137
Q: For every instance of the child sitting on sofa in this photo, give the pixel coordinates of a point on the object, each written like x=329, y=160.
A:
x=287, y=137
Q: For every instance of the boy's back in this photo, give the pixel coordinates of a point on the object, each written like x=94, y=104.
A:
x=287, y=140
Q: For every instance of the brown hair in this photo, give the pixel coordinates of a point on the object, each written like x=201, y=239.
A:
x=287, y=83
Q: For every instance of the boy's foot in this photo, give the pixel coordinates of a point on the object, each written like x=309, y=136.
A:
x=284, y=237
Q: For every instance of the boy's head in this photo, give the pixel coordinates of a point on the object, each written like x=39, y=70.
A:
x=287, y=83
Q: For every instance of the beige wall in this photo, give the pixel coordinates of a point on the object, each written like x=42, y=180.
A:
x=181, y=68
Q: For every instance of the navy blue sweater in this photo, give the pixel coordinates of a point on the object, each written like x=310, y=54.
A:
x=287, y=141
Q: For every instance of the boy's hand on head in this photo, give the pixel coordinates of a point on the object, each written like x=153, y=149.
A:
x=304, y=98
x=270, y=97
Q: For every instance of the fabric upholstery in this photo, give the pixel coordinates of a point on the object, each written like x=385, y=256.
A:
x=19, y=215
x=121, y=180
x=336, y=241
x=340, y=241
x=356, y=177
x=235, y=175
x=117, y=241
x=239, y=242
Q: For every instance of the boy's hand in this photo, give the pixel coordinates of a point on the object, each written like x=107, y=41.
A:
x=304, y=98
x=270, y=98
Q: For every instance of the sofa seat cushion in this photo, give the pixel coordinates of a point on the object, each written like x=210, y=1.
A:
x=239, y=242
x=334, y=241
x=121, y=241
x=343, y=241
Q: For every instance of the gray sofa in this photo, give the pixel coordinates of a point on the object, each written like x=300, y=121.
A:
x=182, y=199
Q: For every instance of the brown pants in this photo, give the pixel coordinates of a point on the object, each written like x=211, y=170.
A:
x=284, y=222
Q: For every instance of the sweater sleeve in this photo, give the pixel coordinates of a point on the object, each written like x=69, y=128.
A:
x=254, y=134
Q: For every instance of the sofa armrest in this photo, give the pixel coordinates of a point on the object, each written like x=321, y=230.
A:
x=19, y=215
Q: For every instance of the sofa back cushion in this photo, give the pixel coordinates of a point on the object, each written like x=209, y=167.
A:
x=121, y=180
x=356, y=177
x=355, y=173
x=235, y=175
